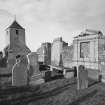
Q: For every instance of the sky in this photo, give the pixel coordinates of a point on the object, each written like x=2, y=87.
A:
x=45, y=20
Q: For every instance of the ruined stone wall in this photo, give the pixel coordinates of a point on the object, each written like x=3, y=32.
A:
x=44, y=53
x=56, y=51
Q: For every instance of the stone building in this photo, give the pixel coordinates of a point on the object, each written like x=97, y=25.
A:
x=56, y=51
x=16, y=43
x=44, y=53
x=15, y=38
x=15, y=46
x=89, y=50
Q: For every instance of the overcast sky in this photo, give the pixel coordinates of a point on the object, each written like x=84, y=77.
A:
x=45, y=20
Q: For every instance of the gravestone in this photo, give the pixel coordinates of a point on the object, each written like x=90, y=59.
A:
x=69, y=75
x=82, y=80
x=19, y=72
x=34, y=74
x=33, y=63
x=47, y=76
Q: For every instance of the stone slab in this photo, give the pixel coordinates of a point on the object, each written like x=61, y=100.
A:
x=82, y=81
x=69, y=75
x=19, y=72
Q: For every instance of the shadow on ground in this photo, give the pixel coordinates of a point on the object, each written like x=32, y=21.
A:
x=54, y=78
x=92, y=82
x=83, y=98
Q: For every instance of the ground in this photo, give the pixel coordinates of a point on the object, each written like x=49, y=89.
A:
x=57, y=92
x=69, y=95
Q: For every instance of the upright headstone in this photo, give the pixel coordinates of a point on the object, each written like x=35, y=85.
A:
x=33, y=63
x=35, y=76
x=19, y=72
x=82, y=81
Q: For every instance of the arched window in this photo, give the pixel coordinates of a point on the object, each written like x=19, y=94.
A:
x=17, y=32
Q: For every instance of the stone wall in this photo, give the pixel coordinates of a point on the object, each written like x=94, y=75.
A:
x=101, y=57
x=90, y=61
x=44, y=53
x=92, y=54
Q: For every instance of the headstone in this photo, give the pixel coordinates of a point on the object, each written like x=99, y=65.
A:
x=19, y=72
x=33, y=63
x=47, y=75
x=37, y=82
x=75, y=71
x=69, y=75
x=35, y=76
x=64, y=72
x=82, y=81
x=51, y=68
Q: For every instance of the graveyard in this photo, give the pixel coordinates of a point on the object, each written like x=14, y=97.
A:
x=56, y=74
x=58, y=90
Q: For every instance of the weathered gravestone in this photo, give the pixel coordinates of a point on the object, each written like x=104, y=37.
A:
x=33, y=64
x=82, y=80
x=19, y=72
x=69, y=75
x=34, y=74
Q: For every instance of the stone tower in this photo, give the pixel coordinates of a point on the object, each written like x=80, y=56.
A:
x=15, y=35
x=15, y=39
x=15, y=43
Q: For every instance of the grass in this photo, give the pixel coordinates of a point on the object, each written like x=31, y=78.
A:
x=71, y=96
x=57, y=92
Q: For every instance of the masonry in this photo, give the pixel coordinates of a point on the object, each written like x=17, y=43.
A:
x=15, y=46
x=89, y=50
x=44, y=53
x=56, y=51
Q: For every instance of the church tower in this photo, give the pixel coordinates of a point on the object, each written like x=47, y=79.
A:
x=15, y=39
x=15, y=35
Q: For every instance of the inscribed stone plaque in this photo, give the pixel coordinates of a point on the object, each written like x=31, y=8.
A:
x=19, y=72
x=82, y=81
